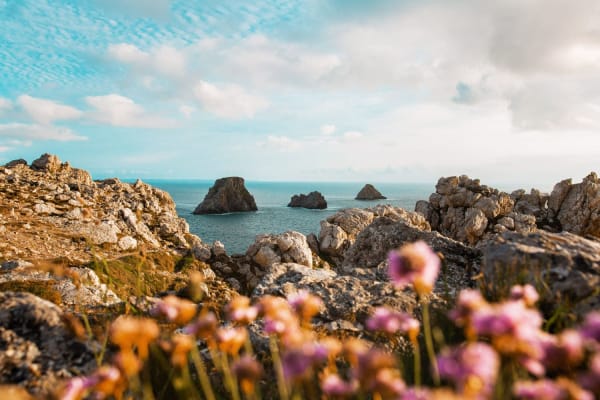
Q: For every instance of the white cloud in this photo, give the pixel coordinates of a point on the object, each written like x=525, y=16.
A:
x=5, y=104
x=47, y=111
x=228, y=101
x=328, y=129
x=118, y=110
x=164, y=61
x=23, y=133
x=281, y=143
x=127, y=53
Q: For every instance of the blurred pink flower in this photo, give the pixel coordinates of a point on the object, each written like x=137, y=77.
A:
x=473, y=368
x=389, y=321
x=414, y=264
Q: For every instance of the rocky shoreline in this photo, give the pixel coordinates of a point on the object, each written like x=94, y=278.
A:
x=72, y=246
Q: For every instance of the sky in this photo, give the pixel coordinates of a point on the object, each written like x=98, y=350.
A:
x=507, y=91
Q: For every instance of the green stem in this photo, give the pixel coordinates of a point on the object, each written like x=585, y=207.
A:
x=417, y=363
x=429, y=343
x=229, y=379
x=281, y=385
x=202, y=374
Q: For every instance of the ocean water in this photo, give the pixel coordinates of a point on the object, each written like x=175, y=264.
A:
x=237, y=231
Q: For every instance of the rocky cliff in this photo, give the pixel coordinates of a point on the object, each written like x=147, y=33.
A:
x=227, y=195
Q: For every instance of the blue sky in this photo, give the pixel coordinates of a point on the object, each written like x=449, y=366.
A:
x=335, y=90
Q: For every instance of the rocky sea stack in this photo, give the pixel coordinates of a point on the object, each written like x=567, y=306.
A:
x=368, y=192
x=313, y=200
x=227, y=195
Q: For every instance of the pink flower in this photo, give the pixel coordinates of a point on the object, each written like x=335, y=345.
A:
x=527, y=293
x=591, y=326
x=333, y=385
x=414, y=264
x=389, y=321
x=539, y=390
x=298, y=362
x=473, y=368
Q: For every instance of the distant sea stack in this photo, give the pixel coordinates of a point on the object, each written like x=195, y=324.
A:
x=227, y=195
x=314, y=200
x=368, y=192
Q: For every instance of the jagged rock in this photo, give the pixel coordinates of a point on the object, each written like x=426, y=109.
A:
x=37, y=349
x=287, y=247
x=348, y=300
x=200, y=250
x=579, y=211
x=368, y=192
x=227, y=195
x=339, y=231
x=127, y=243
x=465, y=210
x=373, y=244
x=51, y=196
x=47, y=162
x=565, y=268
x=314, y=200
x=14, y=163
x=218, y=249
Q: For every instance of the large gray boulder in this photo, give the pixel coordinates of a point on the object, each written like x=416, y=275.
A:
x=286, y=247
x=339, y=231
x=313, y=200
x=227, y=195
x=565, y=268
x=38, y=350
x=368, y=192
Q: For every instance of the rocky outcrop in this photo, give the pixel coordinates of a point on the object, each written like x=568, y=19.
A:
x=38, y=349
x=565, y=268
x=287, y=247
x=53, y=210
x=368, y=254
x=225, y=196
x=348, y=300
x=368, y=192
x=313, y=200
x=576, y=207
x=463, y=209
x=339, y=231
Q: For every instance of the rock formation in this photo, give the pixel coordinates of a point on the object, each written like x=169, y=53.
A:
x=368, y=192
x=38, y=348
x=287, y=247
x=227, y=195
x=565, y=268
x=314, y=200
x=464, y=210
x=339, y=231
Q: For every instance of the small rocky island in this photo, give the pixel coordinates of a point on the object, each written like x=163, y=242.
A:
x=368, y=192
x=227, y=195
x=313, y=200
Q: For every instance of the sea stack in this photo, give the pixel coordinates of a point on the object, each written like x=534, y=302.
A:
x=227, y=195
x=314, y=200
x=368, y=192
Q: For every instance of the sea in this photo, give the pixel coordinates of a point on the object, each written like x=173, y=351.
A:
x=237, y=231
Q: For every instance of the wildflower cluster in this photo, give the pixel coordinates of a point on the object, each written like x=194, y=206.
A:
x=506, y=352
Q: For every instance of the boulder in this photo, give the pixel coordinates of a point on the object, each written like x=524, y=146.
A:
x=46, y=162
x=579, y=210
x=227, y=195
x=313, y=200
x=368, y=192
x=339, y=231
x=565, y=268
x=38, y=350
x=287, y=247
x=14, y=163
x=367, y=257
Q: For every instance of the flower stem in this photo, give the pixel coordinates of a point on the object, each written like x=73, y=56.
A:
x=229, y=379
x=429, y=343
x=281, y=385
x=417, y=363
x=202, y=374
